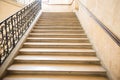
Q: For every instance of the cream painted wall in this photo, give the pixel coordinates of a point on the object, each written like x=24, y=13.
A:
x=108, y=11
x=46, y=7
x=25, y=1
x=7, y=9
x=107, y=50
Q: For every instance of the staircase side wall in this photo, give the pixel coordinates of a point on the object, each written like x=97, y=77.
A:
x=107, y=12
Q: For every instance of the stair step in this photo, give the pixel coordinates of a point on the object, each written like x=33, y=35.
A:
x=57, y=45
x=56, y=59
x=58, y=16
x=54, y=40
x=58, y=26
x=45, y=28
x=53, y=77
x=57, y=31
x=58, y=22
x=83, y=69
x=74, y=34
x=58, y=13
x=58, y=19
x=57, y=51
x=58, y=35
x=64, y=27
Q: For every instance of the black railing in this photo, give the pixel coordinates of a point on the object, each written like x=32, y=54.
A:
x=14, y=27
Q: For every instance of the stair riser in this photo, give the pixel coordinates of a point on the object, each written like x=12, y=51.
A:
x=87, y=73
x=59, y=46
x=58, y=36
x=60, y=41
x=59, y=53
x=56, y=62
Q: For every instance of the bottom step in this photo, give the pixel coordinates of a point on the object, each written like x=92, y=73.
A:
x=53, y=77
x=78, y=69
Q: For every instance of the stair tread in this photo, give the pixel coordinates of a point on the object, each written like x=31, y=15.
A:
x=56, y=57
x=59, y=38
x=57, y=30
x=63, y=21
x=54, y=50
x=57, y=21
x=39, y=43
x=59, y=26
x=55, y=34
x=53, y=77
x=56, y=67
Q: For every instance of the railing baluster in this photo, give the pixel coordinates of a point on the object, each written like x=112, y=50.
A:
x=12, y=24
x=6, y=38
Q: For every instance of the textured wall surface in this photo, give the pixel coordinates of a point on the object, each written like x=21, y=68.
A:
x=107, y=50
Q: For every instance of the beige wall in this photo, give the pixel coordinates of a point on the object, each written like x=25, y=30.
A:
x=108, y=11
x=107, y=50
x=25, y=1
x=46, y=7
x=7, y=9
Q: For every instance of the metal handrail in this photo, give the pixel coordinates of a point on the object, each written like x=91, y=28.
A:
x=14, y=27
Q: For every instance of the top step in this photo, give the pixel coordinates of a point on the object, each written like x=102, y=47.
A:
x=68, y=14
x=56, y=15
